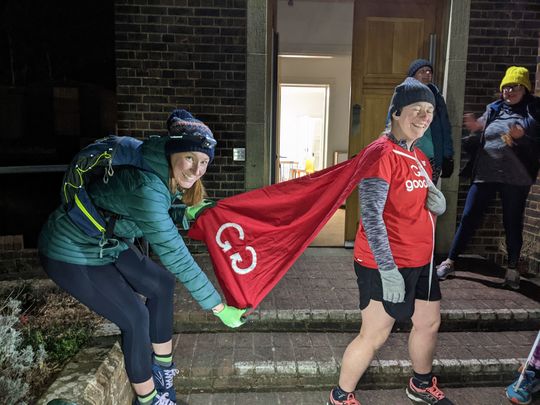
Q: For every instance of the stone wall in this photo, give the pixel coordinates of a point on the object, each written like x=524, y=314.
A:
x=96, y=377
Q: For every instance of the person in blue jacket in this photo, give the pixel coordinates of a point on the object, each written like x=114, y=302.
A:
x=437, y=140
x=504, y=151
x=108, y=278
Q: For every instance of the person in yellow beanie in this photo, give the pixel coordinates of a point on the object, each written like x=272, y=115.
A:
x=516, y=75
x=504, y=151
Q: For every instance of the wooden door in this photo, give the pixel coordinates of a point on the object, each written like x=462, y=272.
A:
x=387, y=37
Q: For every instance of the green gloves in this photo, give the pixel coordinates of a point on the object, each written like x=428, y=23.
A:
x=231, y=316
x=393, y=285
x=193, y=212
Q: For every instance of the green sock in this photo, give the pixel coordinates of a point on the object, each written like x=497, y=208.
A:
x=163, y=360
x=147, y=399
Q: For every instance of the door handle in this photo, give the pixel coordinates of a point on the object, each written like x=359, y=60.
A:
x=355, y=118
x=432, y=48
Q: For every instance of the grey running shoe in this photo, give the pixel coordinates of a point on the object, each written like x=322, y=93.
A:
x=444, y=269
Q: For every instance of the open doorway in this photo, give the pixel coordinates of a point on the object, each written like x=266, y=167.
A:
x=303, y=129
x=303, y=144
x=315, y=50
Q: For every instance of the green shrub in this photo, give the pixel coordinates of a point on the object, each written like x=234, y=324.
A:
x=60, y=342
x=16, y=358
x=40, y=331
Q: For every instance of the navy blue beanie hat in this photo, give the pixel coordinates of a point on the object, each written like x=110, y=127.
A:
x=418, y=64
x=409, y=92
x=188, y=134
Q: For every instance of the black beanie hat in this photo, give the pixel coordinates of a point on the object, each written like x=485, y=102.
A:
x=409, y=92
x=417, y=65
x=188, y=134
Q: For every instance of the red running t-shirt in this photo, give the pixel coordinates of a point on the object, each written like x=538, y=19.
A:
x=409, y=224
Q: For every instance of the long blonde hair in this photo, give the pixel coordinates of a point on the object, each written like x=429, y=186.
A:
x=193, y=195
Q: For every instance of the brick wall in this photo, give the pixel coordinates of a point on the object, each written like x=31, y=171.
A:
x=189, y=54
x=532, y=212
x=501, y=34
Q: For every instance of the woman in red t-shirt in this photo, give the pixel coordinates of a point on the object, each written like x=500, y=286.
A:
x=394, y=248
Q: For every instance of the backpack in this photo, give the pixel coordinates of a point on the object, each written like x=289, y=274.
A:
x=95, y=161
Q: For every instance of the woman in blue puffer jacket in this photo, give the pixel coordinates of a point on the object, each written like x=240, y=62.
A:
x=108, y=279
x=505, y=159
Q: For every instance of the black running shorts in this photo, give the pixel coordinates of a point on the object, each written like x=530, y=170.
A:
x=416, y=288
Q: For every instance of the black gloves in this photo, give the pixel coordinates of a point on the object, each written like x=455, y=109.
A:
x=447, y=167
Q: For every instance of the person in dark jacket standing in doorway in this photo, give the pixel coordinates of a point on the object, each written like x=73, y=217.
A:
x=108, y=275
x=437, y=140
x=505, y=153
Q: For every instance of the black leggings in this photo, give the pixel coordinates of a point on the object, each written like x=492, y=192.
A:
x=111, y=291
x=514, y=200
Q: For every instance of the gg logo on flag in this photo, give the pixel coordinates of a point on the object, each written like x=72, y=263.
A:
x=253, y=238
x=236, y=257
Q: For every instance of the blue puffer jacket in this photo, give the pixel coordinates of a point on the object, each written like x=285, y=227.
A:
x=527, y=148
x=142, y=199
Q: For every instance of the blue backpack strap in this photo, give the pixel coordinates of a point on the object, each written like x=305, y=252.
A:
x=102, y=154
x=85, y=215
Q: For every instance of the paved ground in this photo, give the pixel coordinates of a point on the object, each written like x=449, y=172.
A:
x=322, y=284
x=291, y=351
x=463, y=396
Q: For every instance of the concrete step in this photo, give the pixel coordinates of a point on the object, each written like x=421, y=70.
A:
x=273, y=361
x=463, y=310
x=97, y=376
x=349, y=320
x=460, y=396
x=320, y=293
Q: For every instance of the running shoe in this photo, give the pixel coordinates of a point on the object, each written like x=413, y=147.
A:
x=430, y=395
x=523, y=394
x=163, y=380
x=350, y=400
x=445, y=269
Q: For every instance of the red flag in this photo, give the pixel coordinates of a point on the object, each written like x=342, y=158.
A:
x=253, y=238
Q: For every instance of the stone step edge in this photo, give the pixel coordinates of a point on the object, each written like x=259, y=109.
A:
x=198, y=321
x=355, y=316
x=290, y=375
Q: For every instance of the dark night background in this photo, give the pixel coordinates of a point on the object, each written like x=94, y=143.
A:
x=57, y=94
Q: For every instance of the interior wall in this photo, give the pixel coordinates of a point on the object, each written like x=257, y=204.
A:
x=314, y=26
x=337, y=73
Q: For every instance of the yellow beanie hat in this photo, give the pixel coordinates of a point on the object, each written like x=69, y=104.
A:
x=516, y=75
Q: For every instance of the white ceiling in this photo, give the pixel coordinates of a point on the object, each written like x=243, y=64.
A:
x=315, y=27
